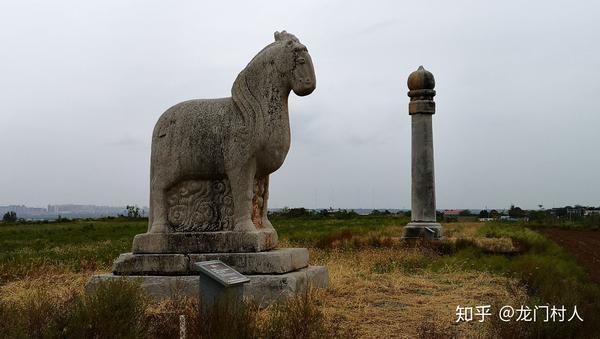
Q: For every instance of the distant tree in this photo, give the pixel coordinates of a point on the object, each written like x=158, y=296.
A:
x=345, y=214
x=516, y=212
x=465, y=213
x=62, y=219
x=10, y=216
x=540, y=215
x=484, y=214
x=323, y=213
x=438, y=215
x=494, y=214
x=298, y=212
x=375, y=212
x=133, y=212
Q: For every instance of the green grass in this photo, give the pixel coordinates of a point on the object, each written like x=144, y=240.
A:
x=94, y=244
x=121, y=309
x=551, y=276
x=591, y=223
x=309, y=230
x=77, y=245
x=538, y=252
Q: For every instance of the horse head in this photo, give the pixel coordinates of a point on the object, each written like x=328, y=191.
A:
x=295, y=62
x=282, y=66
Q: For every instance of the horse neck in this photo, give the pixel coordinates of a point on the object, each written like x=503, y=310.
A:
x=274, y=117
x=276, y=113
x=261, y=94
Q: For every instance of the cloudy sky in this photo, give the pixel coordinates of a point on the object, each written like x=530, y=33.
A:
x=83, y=82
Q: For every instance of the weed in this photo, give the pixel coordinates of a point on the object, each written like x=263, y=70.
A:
x=409, y=264
x=228, y=318
x=551, y=276
x=164, y=318
x=433, y=328
x=331, y=240
x=114, y=309
x=299, y=317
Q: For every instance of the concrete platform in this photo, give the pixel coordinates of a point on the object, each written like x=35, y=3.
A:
x=264, y=288
x=204, y=242
x=276, y=261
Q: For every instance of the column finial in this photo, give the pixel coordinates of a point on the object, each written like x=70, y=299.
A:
x=421, y=84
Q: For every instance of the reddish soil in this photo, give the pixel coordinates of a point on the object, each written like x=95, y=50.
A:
x=583, y=245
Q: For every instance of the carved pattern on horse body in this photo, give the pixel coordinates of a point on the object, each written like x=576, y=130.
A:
x=207, y=206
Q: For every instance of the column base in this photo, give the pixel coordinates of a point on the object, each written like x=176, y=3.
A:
x=422, y=230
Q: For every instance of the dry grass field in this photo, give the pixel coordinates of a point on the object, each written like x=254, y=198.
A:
x=396, y=304
x=379, y=285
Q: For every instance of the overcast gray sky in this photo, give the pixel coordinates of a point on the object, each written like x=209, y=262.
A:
x=83, y=82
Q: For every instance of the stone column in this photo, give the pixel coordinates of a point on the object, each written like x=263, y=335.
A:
x=421, y=108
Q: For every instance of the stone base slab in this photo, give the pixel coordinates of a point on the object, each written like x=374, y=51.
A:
x=422, y=230
x=276, y=261
x=265, y=289
x=204, y=242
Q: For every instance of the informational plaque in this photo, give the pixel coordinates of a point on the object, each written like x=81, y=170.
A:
x=222, y=273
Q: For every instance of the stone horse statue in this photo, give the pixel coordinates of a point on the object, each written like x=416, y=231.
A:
x=211, y=158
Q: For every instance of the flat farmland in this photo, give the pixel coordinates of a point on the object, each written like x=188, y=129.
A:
x=380, y=286
x=583, y=245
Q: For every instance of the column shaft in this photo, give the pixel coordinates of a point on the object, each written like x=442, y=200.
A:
x=423, y=176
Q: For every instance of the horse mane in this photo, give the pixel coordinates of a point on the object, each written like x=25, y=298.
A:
x=246, y=89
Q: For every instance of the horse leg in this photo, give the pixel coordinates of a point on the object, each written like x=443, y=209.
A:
x=265, y=220
x=241, y=180
x=158, y=222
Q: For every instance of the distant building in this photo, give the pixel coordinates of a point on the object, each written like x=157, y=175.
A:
x=591, y=212
x=452, y=213
x=67, y=211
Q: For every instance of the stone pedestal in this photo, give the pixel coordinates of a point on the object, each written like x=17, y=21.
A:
x=422, y=230
x=263, y=288
x=278, y=261
x=205, y=242
x=273, y=273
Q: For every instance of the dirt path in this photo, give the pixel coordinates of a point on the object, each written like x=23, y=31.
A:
x=583, y=245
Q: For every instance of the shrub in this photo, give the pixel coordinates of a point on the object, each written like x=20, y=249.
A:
x=36, y=315
x=228, y=319
x=296, y=317
x=11, y=323
x=115, y=309
x=345, y=214
x=164, y=319
x=299, y=317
